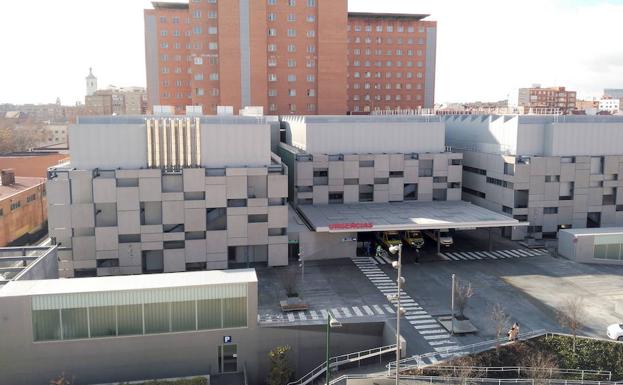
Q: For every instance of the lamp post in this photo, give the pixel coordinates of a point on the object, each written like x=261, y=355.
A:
x=400, y=281
x=331, y=323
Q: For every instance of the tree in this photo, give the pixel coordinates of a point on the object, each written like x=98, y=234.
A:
x=462, y=293
x=500, y=320
x=466, y=368
x=20, y=137
x=539, y=366
x=279, y=372
x=62, y=380
x=572, y=315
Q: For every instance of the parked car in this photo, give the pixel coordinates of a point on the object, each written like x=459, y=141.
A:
x=445, y=238
x=615, y=332
x=388, y=239
x=413, y=239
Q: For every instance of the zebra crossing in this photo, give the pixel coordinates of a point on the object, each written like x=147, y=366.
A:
x=318, y=315
x=435, y=335
x=380, y=260
x=497, y=254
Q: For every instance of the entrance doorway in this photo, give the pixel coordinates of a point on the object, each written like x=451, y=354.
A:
x=228, y=358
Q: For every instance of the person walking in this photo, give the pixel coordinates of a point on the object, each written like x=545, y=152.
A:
x=513, y=333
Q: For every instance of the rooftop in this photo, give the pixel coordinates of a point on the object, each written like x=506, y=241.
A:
x=127, y=282
x=400, y=16
x=21, y=183
x=167, y=5
x=402, y=216
x=206, y=119
x=595, y=231
x=362, y=118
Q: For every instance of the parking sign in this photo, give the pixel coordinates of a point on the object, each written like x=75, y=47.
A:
x=226, y=339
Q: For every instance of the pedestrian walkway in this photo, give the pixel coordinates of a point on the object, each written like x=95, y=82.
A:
x=369, y=311
x=424, y=324
x=498, y=254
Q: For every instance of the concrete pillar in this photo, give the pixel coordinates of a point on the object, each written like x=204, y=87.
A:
x=438, y=243
x=490, y=240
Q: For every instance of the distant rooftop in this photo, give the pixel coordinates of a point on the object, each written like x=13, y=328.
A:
x=374, y=15
x=205, y=119
x=362, y=118
x=21, y=183
x=164, y=4
x=127, y=282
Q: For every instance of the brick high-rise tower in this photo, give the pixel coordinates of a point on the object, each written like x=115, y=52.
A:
x=300, y=57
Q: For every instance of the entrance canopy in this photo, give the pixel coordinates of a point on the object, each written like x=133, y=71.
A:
x=402, y=216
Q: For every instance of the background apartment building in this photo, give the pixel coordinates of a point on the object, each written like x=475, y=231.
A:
x=23, y=208
x=113, y=100
x=291, y=57
x=554, y=171
x=391, y=62
x=167, y=194
x=352, y=159
x=549, y=99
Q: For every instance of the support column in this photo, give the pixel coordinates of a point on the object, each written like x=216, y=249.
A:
x=438, y=243
x=490, y=241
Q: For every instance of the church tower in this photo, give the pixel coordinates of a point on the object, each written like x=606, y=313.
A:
x=91, y=83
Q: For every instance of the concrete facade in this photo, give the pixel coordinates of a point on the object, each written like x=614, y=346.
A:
x=170, y=352
x=204, y=202
x=548, y=98
x=338, y=160
x=555, y=172
x=601, y=246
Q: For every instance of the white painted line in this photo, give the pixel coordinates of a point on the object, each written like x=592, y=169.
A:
x=418, y=316
x=442, y=342
x=378, y=309
x=431, y=331
x=313, y=314
x=419, y=312
x=432, y=359
x=422, y=321
x=489, y=254
x=302, y=315
x=389, y=309
x=426, y=326
x=474, y=255
x=368, y=310
x=437, y=337
x=451, y=257
x=324, y=313
x=484, y=256
x=346, y=312
x=387, y=260
x=525, y=253
x=444, y=349
x=467, y=255
x=357, y=311
x=291, y=317
x=336, y=313
x=506, y=254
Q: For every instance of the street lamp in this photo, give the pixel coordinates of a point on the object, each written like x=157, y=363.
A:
x=331, y=323
x=400, y=281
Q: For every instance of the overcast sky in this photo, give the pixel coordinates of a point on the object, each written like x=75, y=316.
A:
x=486, y=49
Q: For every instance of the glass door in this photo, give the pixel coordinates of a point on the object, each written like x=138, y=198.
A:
x=228, y=358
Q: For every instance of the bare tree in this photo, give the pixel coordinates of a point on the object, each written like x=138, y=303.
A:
x=500, y=320
x=462, y=293
x=540, y=366
x=465, y=369
x=572, y=315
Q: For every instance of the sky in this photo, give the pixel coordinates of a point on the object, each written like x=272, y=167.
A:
x=486, y=49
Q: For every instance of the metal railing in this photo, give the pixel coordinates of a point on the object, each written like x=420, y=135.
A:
x=416, y=362
x=343, y=359
x=527, y=371
x=445, y=380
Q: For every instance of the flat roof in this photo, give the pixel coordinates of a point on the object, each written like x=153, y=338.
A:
x=21, y=183
x=164, y=4
x=595, y=231
x=204, y=119
x=376, y=15
x=362, y=118
x=127, y=282
x=402, y=216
